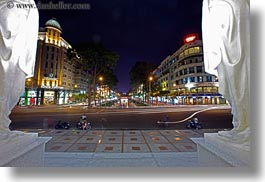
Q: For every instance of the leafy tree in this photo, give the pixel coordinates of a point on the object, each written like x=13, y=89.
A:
x=98, y=60
x=110, y=79
x=140, y=73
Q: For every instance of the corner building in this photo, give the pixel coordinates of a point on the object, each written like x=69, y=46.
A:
x=183, y=76
x=56, y=78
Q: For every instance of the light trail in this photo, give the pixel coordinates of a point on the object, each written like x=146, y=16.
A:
x=181, y=121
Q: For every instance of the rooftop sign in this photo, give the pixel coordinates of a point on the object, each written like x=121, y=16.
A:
x=190, y=38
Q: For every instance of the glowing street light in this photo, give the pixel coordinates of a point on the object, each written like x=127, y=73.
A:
x=150, y=80
x=100, y=93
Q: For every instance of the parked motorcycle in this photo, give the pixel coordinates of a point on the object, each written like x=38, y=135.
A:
x=62, y=125
x=194, y=124
x=83, y=124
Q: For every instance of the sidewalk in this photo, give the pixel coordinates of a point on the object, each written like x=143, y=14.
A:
x=121, y=148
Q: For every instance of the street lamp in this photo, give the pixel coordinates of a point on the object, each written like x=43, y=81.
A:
x=30, y=80
x=150, y=80
x=100, y=92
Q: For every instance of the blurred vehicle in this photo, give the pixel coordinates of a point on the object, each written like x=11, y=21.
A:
x=62, y=125
x=194, y=124
x=83, y=124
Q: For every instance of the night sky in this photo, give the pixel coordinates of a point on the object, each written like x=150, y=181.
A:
x=138, y=30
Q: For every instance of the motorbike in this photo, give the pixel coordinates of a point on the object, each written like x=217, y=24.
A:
x=164, y=122
x=83, y=124
x=194, y=124
x=62, y=125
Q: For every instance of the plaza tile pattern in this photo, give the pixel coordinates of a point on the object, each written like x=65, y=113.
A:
x=121, y=141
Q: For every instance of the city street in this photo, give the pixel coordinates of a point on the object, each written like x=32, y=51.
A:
x=43, y=117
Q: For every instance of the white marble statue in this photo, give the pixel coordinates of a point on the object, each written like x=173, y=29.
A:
x=18, y=44
x=226, y=42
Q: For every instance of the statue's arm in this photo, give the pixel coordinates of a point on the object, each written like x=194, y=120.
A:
x=31, y=44
x=221, y=31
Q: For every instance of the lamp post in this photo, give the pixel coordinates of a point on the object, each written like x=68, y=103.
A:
x=150, y=90
x=174, y=88
x=100, y=92
x=29, y=80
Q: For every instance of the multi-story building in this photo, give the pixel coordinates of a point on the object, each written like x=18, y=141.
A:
x=56, y=77
x=183, y=76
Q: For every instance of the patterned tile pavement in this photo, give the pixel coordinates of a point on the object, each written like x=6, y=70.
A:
x=121, y=141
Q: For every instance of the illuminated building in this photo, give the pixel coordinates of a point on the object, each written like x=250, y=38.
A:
x=183, y=76
x=56, y=78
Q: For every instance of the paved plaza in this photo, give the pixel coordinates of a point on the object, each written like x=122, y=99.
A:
x=121, y=141
x=121, y=148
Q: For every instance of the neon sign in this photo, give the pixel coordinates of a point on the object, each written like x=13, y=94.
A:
x=190, y=38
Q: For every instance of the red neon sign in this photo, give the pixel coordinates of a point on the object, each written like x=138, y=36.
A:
x=190, y=38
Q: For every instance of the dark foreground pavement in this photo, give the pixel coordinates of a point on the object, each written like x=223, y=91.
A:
x=121, y=148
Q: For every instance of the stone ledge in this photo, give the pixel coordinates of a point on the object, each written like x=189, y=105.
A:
x=29, y=154
x=219, y=154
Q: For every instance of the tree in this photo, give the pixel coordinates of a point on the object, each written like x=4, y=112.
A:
x=110, y=79
x=140, y=72
x=98, y=60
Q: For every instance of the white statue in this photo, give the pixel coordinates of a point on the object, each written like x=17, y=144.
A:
x=18, y=43
x=226, y=42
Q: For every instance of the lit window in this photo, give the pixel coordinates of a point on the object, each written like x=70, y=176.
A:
x=186, y=52
x=196, y=49
x=191, y=51
x=181, y=55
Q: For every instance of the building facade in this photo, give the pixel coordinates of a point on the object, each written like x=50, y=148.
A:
x=184, y=78
x=56, y=78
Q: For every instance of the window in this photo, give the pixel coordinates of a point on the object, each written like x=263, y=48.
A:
x=181, y=55
x=188, y=61
x=197, y=49
x=199, y=69
x=199, y=79
x=191, y=51
x=191, y=70
x=172, y=61
x=209, y=78
x=180, y=82
x=186, y=52
x=192, y=79
x=181, y=72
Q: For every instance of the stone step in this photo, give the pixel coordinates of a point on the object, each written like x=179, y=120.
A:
x=166, y=159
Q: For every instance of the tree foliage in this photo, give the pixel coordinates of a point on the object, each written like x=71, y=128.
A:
x=97, y=60
x=110, y=79
x=140, y=72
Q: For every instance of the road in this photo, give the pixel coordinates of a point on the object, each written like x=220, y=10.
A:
x=119, y=118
